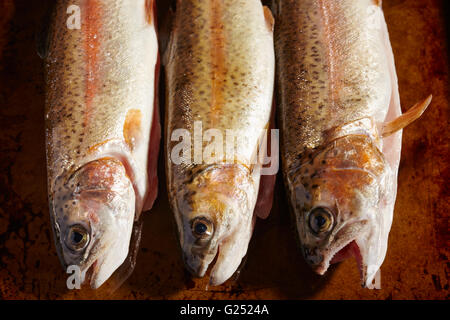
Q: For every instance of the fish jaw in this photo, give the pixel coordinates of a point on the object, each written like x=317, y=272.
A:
x=227, y=247
x=112, y=250
x=368, y=252
x=353, y=183
x=114, y=255
x=362, y=240
x=224, y=253
x=106, y=254
x=321, y=257
x=231, y=252
x=224, y=198
x=98, y=201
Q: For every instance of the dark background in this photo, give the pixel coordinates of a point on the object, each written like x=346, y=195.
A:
x=416, y=265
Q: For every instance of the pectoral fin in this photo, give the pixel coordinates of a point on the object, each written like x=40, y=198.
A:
x=43, y=32
x=155, y=141
x=270, y=21
x=267, y=182
x=405, y=119
x=166, y=36
x=150, y=8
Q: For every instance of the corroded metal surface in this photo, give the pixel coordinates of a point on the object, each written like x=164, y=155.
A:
x=416, y=264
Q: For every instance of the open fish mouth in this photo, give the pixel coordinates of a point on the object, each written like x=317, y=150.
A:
x=341, y=253
x=349, y=250
x=90, y=274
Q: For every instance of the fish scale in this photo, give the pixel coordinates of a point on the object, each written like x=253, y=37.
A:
x=336, y=67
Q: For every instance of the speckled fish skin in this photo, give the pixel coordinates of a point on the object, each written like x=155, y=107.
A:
x=220, y=71
x=336, y=83
x=99, y=115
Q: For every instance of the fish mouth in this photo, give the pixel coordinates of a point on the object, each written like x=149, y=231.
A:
x=341, y=253
x=223, y=262
x=349, y=250
x=90, y=275
x=352, y=241
x=101, y=265
x=94, y=276
x=213, y=263
x=198, y=264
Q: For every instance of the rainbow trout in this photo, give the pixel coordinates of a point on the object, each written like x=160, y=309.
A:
x=341, y=124
x=102, y=129
x=220, y=72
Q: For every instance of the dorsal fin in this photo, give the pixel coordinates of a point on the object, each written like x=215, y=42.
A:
x=405, y=119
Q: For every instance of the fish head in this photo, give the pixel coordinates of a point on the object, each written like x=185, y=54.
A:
x=344, y=201
x=215, y=220
x=93, y=214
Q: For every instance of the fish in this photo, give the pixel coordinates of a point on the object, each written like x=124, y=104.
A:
x=102, y=129
x=219, y=66
x=340, y=128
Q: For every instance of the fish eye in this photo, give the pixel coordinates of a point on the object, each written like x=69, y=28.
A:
x=201, y=228
x=77, y=238
x=320, y=220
